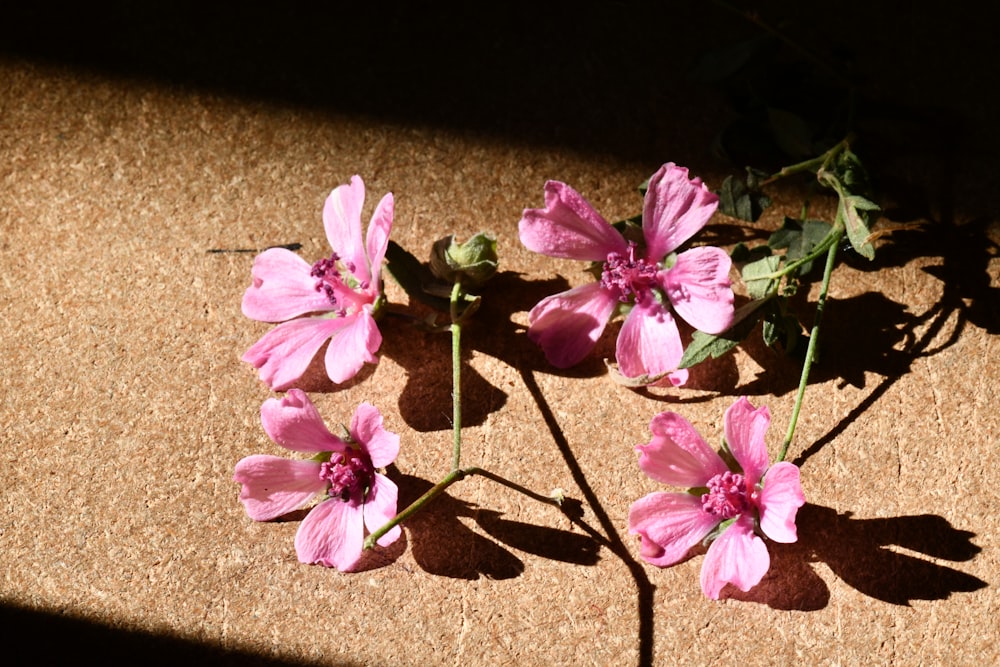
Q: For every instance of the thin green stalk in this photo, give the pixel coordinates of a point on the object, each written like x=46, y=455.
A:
x=456, y=377
x=833, y=238
x=456, y=475
x=814, y=165
x=831, y=257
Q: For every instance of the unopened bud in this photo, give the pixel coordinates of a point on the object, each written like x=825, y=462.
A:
x=472, y=263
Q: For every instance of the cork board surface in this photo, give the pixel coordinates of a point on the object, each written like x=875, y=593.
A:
x=129, y=152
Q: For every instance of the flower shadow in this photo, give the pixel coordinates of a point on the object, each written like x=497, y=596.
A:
x=425, y=402
x=316, y=381
x=442, y=544
x=865, y=554
x=509, y=293
x=966, y=252
x=853, y=342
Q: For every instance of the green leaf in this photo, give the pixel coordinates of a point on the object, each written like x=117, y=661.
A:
x=780, y=326
x=741, y=201
x=705, y=345
x=720, y=64
x=741, y=253
x=799, y=238
x=854, y=212
x=757, y=276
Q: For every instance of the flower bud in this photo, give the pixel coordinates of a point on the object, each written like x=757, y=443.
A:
x=472, y=263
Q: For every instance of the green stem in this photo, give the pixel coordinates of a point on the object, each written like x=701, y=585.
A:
x=456, y=377
x=833, y=238
x=831, y=257
x=456, y=475
x=814, y=165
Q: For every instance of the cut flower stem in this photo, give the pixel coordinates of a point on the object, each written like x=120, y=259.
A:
x=831, y=256
x=457, y=473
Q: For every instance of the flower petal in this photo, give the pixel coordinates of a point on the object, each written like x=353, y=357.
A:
x=669, y=524
x=567, y=325
x=674, y=209
x=294, y=423
x=274, y=486
x=378, y=240
x=381, y=445
x=736, y=557
x=353, y=346
x=332, y=534
x=700, y=290
x=380, y=507
x=282, y=288
x=568, y=227
x=283, y=354
x=677, y=455
x=744, y=428
x=342, y=221
x=649, y=342
x=779, y=501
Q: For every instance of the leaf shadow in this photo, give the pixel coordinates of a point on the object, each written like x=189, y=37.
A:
x=864, y=554
x=442, y=544
x=861, y=334
x=966, y=251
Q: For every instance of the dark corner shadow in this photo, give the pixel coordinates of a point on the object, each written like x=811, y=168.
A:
x=860, y=553
x=601, y=82
x=443, y=545
x=37, y=637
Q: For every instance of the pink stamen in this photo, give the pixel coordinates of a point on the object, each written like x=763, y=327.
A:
x=727, y=496
x=328, y=275
x=629, y=276
x=348, y=475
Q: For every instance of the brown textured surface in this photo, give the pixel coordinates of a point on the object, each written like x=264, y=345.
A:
x=125, y=405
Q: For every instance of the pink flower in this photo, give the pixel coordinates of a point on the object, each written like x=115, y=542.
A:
x=357, y=497
x=727, y=506
x=339, y=295
x=647, y=282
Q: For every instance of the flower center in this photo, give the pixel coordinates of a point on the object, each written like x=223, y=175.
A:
x=336, y=280
x=629, y=276
x=348, y=475
x=727, y=496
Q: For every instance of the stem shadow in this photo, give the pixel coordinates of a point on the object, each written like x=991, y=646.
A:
x=608, y=535
x=444, y=545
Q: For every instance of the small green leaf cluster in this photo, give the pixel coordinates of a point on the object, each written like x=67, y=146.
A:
x=471, y=263
x=772, y=272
